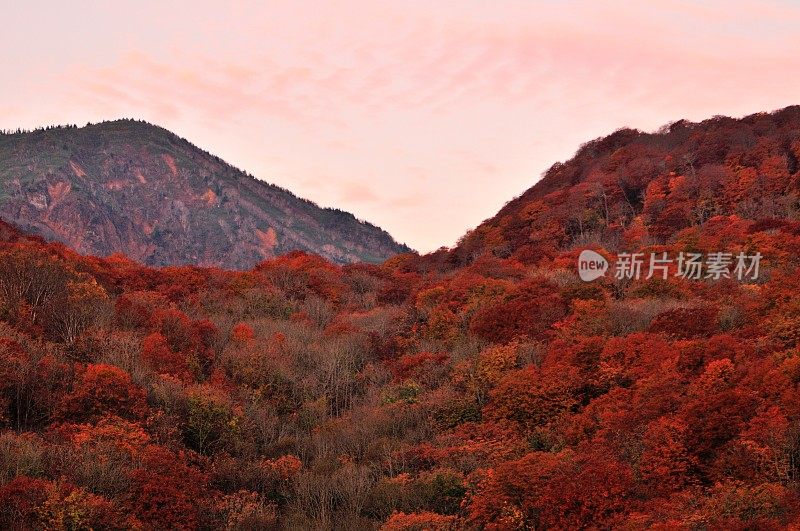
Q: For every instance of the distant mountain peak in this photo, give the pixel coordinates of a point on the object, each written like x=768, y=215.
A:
x=129, y=186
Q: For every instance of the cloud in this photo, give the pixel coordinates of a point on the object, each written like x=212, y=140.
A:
x=355, y=192
x=401, y=112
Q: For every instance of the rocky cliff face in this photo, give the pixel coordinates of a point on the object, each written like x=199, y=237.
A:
x=134, y=188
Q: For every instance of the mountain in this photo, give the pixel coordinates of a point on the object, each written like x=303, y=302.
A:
x=485, y=387
x=658, y=183
x=134, y=188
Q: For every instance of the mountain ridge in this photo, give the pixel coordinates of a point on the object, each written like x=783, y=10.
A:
x=664, y=181
x=133, y=187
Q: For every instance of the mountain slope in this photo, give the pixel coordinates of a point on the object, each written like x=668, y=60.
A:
x=508, y=393
x=131, y=187
x=658, y=183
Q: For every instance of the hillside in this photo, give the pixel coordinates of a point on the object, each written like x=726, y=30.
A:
x=133, y=188
x=488, y=387
x=678, y=177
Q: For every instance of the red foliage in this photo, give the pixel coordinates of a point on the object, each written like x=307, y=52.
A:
x=162, y=359
x=19, y=501
x=166, y=492
x=528, y=311
x=135, y=309
x=716, y=417
x=686, y=323
x=666, y=465
x=242, y=333
x=31, y=382
x=548, y=490
x=425, y=521
x=176, y=327
x=532, y=397
x=409, y=365
x=301, y=274
x=104, y=390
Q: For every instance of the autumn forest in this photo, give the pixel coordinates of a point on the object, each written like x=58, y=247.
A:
x=480, y=387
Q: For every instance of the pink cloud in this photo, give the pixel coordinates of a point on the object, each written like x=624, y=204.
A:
x=354, y=192
x=421, y=117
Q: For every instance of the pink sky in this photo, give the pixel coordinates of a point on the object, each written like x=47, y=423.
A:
x=423, y=117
